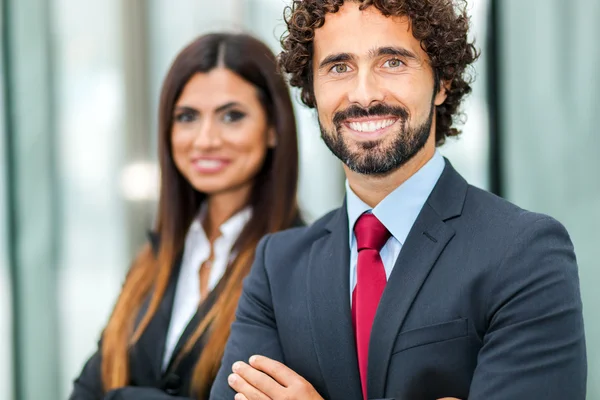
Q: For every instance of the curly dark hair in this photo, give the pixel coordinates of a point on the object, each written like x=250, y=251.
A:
x=440, y=25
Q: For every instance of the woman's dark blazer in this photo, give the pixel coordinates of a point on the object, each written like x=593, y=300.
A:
x=147, y=379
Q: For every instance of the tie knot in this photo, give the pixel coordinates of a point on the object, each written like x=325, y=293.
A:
x=370, y=233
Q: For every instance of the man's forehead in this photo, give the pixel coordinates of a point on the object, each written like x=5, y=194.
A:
x=360, y=32
x=371, y=15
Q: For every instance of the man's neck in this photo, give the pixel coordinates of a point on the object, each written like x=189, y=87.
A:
x=372, y=189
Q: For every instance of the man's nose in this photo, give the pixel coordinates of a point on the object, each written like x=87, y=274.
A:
x=367, y=90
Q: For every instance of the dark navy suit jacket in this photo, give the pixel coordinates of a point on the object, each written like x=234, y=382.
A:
x=147, y=379
x=483, y=303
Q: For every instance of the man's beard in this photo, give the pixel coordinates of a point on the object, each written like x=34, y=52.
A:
x=373, y=158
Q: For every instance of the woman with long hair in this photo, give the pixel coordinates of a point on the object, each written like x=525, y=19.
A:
x=229, y=168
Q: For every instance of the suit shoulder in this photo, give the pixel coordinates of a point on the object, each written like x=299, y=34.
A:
x=291, y=244
x=302, y=234
x=499, y=212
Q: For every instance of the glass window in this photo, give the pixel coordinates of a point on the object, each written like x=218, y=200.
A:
x=6, y=349
x=89, y=98
x=26, y=191
x=469, y=153
x=550, y=91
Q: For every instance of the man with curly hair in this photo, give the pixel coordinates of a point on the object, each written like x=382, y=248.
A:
x=419, y=286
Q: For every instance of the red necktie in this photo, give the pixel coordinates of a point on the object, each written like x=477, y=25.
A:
x=371, y=235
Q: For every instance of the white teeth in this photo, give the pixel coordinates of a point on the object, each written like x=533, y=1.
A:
x=370, y=126
x=209, y=164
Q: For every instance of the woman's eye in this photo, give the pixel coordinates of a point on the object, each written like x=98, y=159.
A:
x=233, y=116
x=340, y=68
x=393, y=63
x=186, y=116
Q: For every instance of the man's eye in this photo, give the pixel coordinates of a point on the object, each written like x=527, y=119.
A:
x=393, y=63
x=340, y=68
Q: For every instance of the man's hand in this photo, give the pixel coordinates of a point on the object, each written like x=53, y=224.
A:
x=266, y=379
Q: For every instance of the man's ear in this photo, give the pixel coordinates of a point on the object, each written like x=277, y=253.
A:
x=442, y=94
x=271, y=137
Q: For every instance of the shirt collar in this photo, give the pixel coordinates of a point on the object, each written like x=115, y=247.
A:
x=230, y=229
x=399, y=209
x=234, y=225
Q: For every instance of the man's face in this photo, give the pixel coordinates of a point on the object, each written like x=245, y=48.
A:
x=374, y=89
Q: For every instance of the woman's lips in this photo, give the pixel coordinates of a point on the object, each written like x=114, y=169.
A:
x=209, y=165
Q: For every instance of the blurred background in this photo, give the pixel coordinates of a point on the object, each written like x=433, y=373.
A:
x=79, y=89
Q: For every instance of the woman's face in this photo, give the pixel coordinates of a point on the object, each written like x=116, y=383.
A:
x=220, y=133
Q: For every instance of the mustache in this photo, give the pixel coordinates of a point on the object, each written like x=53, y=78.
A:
x=378, y=110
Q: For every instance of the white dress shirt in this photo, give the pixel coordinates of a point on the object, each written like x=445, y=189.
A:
x=398, y=212
x=196, y=252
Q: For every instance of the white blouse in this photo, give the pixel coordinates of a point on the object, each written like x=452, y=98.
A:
x=196, y=252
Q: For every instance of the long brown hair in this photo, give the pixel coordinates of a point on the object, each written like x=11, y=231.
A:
x=273, y=200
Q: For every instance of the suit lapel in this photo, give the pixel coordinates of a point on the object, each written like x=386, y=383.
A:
x=195, y=322
x=328, y=284
x=151, y=344
x=425, y=242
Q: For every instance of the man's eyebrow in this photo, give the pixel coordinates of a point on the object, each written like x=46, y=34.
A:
x=393, y=51
x=335, y=58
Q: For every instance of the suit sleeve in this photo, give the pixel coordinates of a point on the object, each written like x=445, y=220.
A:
x=88, y=385
x=254, y=330
x=141, y=393
x=534, y=347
